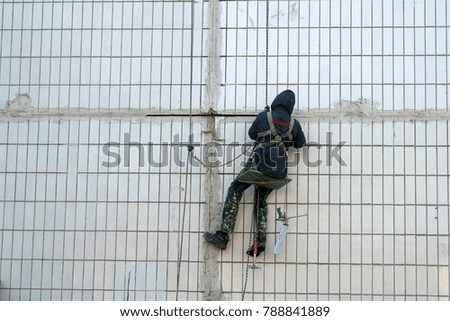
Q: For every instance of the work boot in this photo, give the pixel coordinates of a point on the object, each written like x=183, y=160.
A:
x=261, y=248
x=218, y=239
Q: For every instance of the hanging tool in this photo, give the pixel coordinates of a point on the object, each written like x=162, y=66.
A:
x=283, y=231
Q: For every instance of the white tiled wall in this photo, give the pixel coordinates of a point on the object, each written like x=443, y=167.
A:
x=74, y=229
x=377, y=225
x=370, y=76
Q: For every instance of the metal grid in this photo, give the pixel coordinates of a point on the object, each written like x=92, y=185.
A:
x=74, y=229
x=372, y=74
x=393, y=52
x=377, y=229
x=103, y=54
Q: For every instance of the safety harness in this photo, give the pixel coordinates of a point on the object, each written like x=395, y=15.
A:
x=277, y=138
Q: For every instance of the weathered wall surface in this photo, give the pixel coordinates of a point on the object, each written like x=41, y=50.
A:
x=100, y=199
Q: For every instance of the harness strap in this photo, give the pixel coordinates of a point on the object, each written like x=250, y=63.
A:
x=278, y=139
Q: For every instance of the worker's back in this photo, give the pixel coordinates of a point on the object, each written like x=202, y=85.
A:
x=271, y=158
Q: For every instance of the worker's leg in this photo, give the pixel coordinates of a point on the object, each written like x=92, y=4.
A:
x=229, y=215
x=261, y=194
x=231, y=205
x=260, y=211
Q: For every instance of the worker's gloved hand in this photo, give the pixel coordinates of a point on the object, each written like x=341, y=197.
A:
x=261, y=247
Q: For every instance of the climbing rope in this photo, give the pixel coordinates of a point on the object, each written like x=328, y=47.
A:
x=248, y=262
x=183, y=216
x=209, y=167
x=253, y=229
x=190, y=148
x=267, y=52
x=253, y=232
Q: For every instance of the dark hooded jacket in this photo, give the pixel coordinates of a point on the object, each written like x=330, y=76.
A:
x=272, y=160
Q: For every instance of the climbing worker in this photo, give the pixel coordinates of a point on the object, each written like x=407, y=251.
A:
x=274, y=132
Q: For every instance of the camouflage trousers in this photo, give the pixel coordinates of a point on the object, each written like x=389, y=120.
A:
x=231, y=207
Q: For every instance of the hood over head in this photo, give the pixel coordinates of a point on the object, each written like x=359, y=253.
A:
x=285, y=100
